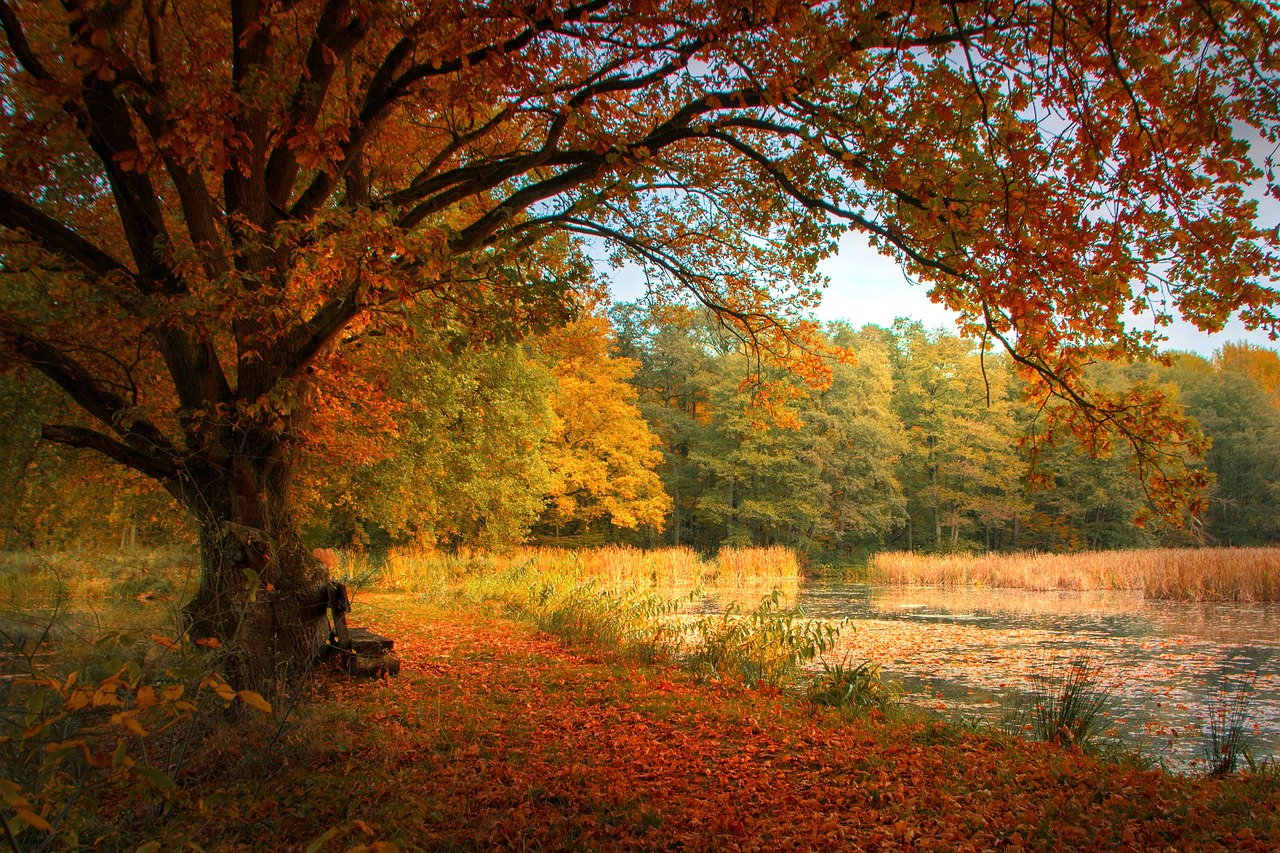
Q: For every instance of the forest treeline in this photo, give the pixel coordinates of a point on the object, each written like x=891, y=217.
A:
x=651, y=427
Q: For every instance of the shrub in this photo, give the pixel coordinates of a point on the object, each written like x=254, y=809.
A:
x=77, y=745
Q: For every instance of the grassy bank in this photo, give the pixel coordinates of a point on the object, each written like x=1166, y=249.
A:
x=496, y=735
x=554, y=701
x=1193, y=574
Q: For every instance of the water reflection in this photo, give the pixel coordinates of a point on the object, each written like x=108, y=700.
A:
x=1169, y=664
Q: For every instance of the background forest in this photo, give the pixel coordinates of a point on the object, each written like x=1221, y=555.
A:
x=649, y=427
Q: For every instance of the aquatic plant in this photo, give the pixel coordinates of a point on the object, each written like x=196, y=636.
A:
x=1226, y=734
x=765, y=646
x=1069, y=707
x=845, y=685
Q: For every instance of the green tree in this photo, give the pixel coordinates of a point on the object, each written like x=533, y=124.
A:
x=466, y=464
x=1240, y=417
x=860, y=441
x=961, y=471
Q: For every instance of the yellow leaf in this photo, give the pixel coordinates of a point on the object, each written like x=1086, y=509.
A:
x=254, y=700
x=217, y=685
x=130, y=722
x=106, y=695
x=33, y=819
x=146, y=697
x=64, y=744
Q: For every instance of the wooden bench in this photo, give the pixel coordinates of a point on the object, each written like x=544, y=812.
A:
x=359, y=651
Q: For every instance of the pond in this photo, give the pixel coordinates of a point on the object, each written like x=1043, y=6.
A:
x=1170, y=666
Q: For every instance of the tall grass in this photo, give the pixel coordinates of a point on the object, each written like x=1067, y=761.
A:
x=1226, y=733
x=1070, y=707
x=616, y=599
x=638, y=625
x=674, y=573
x=1198, y=574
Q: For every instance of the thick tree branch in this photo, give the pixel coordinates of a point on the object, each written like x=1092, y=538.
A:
x=244, y=182
x=373, y=109
x=198, y=210
x=56, y=238
x=389, y=85
x=301, y=345
x=417, y=73
x=17, y=39
x=334, y=39
x=92, y=395
x=194, y=366
x=83, y=437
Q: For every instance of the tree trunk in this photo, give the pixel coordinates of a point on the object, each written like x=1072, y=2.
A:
x=261, y=595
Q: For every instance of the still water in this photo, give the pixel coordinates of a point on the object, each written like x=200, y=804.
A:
x=1170, y=666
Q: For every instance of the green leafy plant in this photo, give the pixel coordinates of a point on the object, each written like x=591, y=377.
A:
x=845, y=685
x=763, y=647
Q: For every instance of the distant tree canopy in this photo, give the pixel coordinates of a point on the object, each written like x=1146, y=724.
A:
x=204, y=206
x=922, y=444
x=926, y=444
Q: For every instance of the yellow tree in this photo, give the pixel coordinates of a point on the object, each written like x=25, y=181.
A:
x=1260, y=364
x=601, y=454
x=202, y=204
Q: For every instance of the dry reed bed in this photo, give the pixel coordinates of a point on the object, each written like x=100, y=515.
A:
x=1192, y=574
x=674, y=571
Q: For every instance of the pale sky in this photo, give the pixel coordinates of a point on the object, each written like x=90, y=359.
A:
x=867, y=287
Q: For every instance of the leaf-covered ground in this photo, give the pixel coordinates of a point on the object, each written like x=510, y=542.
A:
x=494, y=736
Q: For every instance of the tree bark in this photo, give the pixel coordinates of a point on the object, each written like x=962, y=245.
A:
x=260, y=593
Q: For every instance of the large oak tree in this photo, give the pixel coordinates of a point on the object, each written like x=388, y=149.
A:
x=202, y=204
